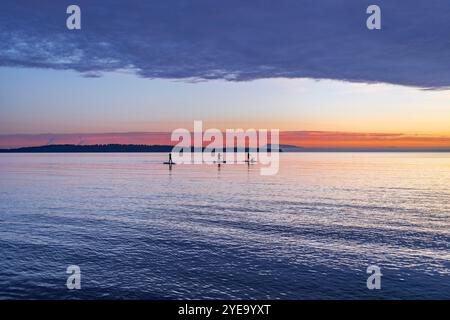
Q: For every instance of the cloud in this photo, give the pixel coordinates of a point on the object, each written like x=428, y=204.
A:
x=234, y=40
x=26, y=140
x=329, y=139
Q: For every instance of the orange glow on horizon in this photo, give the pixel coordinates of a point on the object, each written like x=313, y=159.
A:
x=319, y=139
x=308, y=139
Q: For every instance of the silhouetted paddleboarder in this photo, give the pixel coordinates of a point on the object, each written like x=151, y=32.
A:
x=249, y=161
x=170, y=162
x=248, y=158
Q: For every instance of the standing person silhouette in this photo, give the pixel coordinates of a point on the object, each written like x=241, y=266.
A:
x=170, y=158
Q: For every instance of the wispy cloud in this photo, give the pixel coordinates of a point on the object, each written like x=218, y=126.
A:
x=234, y=40
x=324, y=139
x=24, y=140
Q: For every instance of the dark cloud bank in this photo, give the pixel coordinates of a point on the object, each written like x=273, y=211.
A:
x=235, y=39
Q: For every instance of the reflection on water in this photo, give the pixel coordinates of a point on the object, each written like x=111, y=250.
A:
x=139, y=230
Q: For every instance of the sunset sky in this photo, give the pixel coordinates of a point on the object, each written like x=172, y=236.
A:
x=130, y=77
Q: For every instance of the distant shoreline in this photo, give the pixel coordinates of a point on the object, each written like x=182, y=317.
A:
x=132, y=148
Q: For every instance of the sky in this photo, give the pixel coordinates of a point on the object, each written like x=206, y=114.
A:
x=309, y=68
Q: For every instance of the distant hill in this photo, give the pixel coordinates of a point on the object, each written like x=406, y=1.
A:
x=286, y=148
x=290, y=148
x=98, y=148
x=91, y=148
x=71, y=148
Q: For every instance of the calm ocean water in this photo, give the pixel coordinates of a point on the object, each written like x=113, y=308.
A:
x=140, y=231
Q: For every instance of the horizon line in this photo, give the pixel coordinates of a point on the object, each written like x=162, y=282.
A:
x=158, y=148
x=299, y=138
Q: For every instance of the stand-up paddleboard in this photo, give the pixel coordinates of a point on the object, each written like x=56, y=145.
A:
x=250, y=161
x=170, y=162
x=219, y=160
